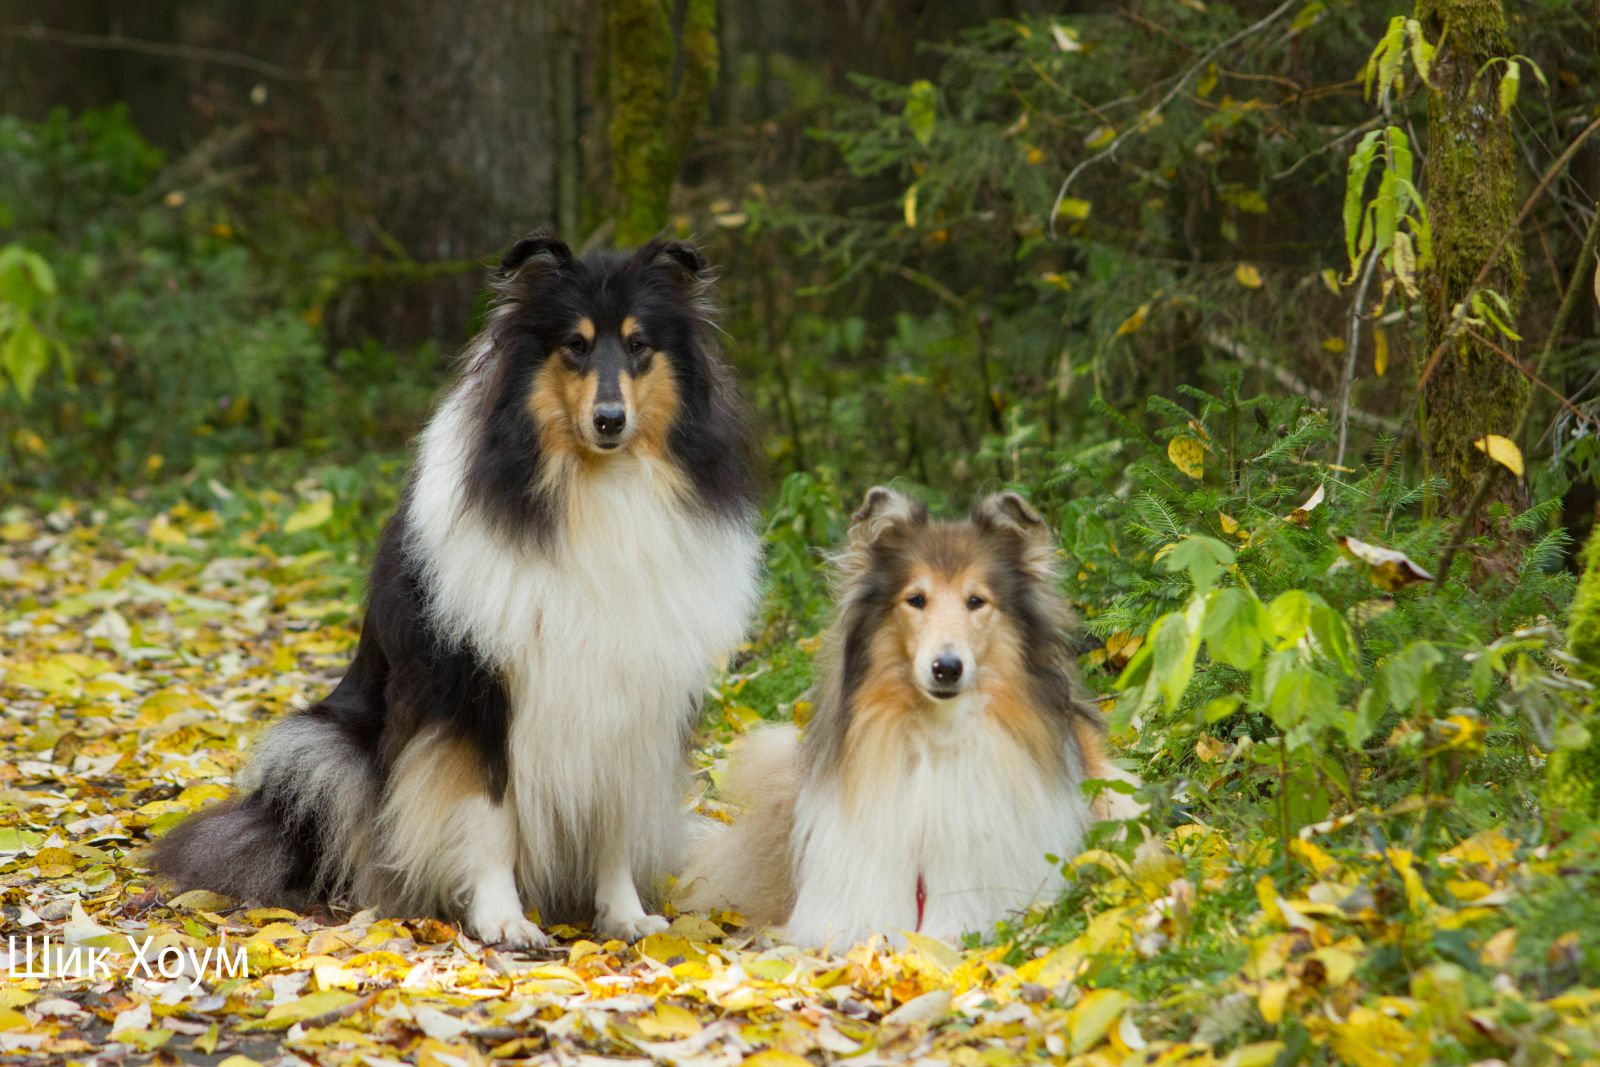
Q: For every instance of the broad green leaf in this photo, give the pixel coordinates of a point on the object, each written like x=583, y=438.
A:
x=1355, y=188
x=1173, y=649
x=1203, y=557
x=1394, y=50
x=1289, y=617
x=1332, y=636
x=1369, y=709
x=1510, y=81
x=1232, y=628
x=1421, y=51
x=25, y=357
x=1293, y=695
x=1387, y=217
x=1408, y=674
x=1400, y=161
x=922, y=108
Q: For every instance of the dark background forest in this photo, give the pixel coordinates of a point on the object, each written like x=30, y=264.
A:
x=1286, y=315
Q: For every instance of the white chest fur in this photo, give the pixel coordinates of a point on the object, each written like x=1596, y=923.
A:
x=606, y=636
x=968, y=811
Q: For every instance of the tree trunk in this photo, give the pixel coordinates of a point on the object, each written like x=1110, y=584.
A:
x=1572, y=788
x=651, y=129
x=1472, y=199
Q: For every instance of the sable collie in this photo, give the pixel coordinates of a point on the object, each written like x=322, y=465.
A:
x=947, y=750
x=573, y=552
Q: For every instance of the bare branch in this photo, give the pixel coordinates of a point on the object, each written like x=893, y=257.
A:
x=1171, y=94
x=1352, y=347
x=168, y=50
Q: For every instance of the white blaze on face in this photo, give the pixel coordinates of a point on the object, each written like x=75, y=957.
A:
x=947, y=621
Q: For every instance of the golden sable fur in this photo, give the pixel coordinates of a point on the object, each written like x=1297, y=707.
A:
x=947, y=751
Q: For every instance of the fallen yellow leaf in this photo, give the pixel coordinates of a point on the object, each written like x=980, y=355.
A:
x=1387, y=568
x=1188, y=455
x=1302, y=514
x=310, y=516
x=1502, y=450
x=1093, y=1016
x=1133, y=322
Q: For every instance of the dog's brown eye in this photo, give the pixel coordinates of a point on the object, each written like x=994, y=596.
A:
x=975, y=602
x=917, y=600
x=577, y=343
x=636, y=345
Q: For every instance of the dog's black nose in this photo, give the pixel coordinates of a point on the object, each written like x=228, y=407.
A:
x=947, y=669
x=609, y=419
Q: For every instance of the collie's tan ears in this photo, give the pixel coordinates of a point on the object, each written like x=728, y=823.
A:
x=881, y=511
x=1007, y=513
x=538, y=247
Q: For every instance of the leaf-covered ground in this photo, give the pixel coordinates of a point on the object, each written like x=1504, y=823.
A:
x=139, y=654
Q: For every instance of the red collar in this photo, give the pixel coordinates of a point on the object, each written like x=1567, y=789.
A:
x=922, y=900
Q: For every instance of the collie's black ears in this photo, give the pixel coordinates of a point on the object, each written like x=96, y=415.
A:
x=678, y=254
x=1008, y=514
x=539, y=244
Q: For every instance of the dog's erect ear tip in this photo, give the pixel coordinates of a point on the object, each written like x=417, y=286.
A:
x=1008, y=508
x=885, y=506
x=536, y=244
x=684, y=255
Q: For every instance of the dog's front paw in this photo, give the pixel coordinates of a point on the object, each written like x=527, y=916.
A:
x=629, y=929
x=513, y=931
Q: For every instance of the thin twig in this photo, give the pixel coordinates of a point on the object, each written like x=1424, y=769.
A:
x=167, y=50
x=1460, y=317
x=1171, y=94
x=1352, y=348
x=1579, y=282
x=1371, y=124
x=1532, y=376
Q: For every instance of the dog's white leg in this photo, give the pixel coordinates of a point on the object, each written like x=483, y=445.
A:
x=618, y=912
x=494, y=913
x=447, y=845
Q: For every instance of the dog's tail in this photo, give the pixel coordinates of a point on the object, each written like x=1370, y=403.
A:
x=294, y=832
x=748, y=867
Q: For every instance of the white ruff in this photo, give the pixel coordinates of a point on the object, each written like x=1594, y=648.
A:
x=607, y=638
x=966, y=808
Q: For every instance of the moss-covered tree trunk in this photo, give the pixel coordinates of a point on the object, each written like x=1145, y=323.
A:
x=659, y=83
x=1572, y=791
x=1471, y=190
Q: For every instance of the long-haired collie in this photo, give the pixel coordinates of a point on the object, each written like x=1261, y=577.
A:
x=947, y=750
x=573, y=553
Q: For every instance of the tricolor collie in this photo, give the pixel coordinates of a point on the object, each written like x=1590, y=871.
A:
x=947, y=750
x=573, y=552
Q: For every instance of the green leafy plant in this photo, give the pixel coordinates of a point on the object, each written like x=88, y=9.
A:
x=28, y=314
